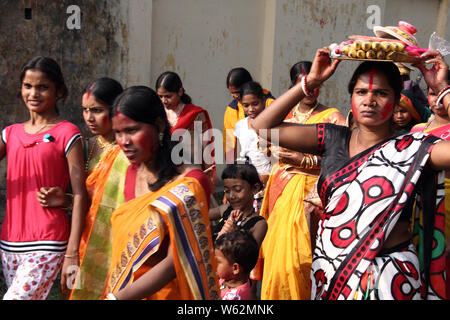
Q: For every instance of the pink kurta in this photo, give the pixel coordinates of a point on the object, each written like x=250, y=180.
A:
x=35, y=161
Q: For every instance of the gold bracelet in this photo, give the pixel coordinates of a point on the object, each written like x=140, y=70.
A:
x=302, y=163
x=71, y=255
x=311, y=161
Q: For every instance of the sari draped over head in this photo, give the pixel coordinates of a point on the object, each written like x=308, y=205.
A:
x=364, y=197
x=179, y=211
x=105, y=185
x=190, y=114
x=286, y=249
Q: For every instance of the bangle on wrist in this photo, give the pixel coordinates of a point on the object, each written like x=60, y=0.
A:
x=441, y=94
x=71, y=255
x=304, y=87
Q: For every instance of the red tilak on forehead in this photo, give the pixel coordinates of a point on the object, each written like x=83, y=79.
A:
x=88, y=93
x=371, y=74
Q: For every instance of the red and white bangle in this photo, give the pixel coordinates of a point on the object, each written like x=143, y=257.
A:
x=441, y=94
x=304, y=88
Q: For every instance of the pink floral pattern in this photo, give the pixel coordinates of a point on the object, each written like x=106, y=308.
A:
x=30, y=276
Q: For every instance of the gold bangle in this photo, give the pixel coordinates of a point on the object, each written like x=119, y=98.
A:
x=302, y=163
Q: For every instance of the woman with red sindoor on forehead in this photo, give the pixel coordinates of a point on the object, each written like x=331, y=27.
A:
x=369, y=181
x=161, y=244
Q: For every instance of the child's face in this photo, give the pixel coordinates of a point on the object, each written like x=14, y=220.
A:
x=252, y=105
x=38, y=91
x=401, y=116
x=239, y=193
x=224, y=267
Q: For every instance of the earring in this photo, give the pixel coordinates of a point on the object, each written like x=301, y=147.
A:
x=161, y=136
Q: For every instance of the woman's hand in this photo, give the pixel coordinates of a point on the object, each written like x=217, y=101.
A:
x=322, y=68
x=436, y=76
x=68, y=273
x=51, y=197
x=290, y=157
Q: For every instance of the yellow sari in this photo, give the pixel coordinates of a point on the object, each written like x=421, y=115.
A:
x=286, y=249
x=178, y=210
x=105, y=185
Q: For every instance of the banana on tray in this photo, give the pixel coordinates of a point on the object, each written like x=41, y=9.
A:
x=379, y=50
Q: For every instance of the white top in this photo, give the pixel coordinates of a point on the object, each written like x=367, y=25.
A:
x=248, y=147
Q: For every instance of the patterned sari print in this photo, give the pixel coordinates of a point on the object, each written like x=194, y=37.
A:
x=179, y=211
x=349, y=262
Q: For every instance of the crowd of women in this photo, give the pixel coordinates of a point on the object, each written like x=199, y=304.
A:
x=351, y=210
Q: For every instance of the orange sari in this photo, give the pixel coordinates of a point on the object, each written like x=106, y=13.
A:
x=104, y=184
x=178, y=210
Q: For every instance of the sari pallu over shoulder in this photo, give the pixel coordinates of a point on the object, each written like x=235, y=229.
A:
x=178, y=210
x=105, y=184
x=364, y=200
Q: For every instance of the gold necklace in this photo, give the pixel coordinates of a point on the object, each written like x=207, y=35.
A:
x=301, y=117
x=104, y=145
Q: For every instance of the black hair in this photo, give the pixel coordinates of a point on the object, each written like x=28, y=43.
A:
x=51, y=69
x=244, y=171
x=104, y=89
x=237, y=77
x=300, y=68
x=389, y=69
x=252, y=87
x=142, y=104
x=240, y=247
x=171, y=82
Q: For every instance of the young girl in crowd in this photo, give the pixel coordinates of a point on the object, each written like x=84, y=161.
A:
x=235, y=111
x=43, y=151
x=253, y=101
x=241, y=183
x=106, y=167
x=182, y=114
x=406, y=112
x=241, y=212
x=236, y=254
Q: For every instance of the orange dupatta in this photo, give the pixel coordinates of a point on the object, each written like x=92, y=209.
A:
x=96, y=183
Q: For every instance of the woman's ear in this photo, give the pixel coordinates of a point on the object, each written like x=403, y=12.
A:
x=181, y=92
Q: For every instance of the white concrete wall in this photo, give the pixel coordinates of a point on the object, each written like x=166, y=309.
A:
x=202, y=40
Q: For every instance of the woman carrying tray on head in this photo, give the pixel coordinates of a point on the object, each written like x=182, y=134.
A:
x=369, y=180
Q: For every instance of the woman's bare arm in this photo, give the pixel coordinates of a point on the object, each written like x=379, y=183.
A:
x=297, y=137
